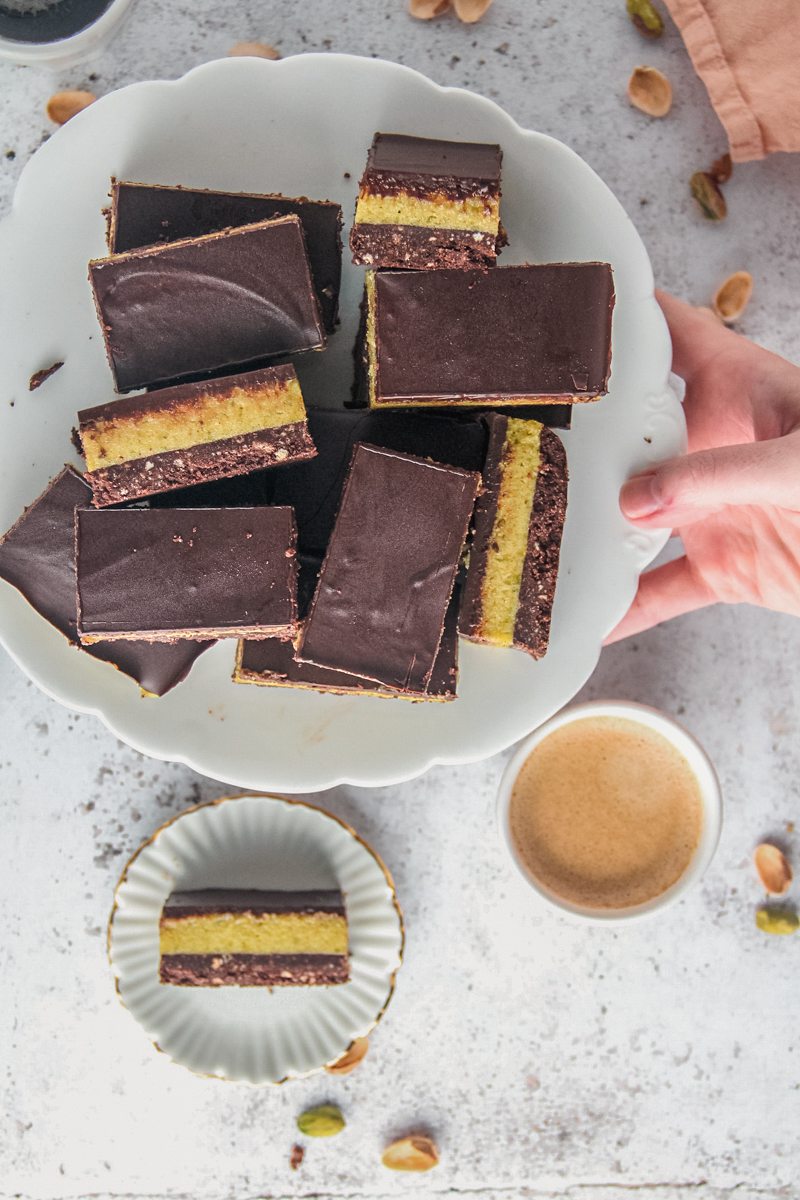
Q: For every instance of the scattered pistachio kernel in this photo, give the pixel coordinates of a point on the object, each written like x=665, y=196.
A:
x=708, y=196
x=64, y=105
x=771, y=863
x=415, y=1153
x=350, y=1059
x=771, y=918
x=646, y=17
x=424, y=10
x=730, y=301
x=721, y=169
x=650, y=91
x=470, y=11
x=254, y=50
x=325, y=1120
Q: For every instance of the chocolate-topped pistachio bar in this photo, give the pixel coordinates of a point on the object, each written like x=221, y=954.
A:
x=246, y=937
x=273, y=663
x=167, y=573
x=193, y=433
x=511, y=336
x=37, y=556
x=426, y=203
x=224, y=300
x=142, y=214
x=519, y=518
x=387, y=578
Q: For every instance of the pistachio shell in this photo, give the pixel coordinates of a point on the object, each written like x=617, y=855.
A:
x=254, y=50
x=415, y=1153
x=424, y=10
x=650, y=91
x=731, y=299
x=646, y=17
x=350, y=1059
x=64, y=105
x=771, y=918
x=721, y=169
x=708, y=196
x=470, y=11
x=772, y=866
x=325, y=1120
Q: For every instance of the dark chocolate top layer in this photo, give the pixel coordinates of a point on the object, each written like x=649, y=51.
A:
x=221, y=900
x=224, y=300
x=165, y=399
x=388, y=575
x=37, y=556
x=314, y=488
x=169, y=570
x=143, y=214
x=512, y=331
x=400, y=154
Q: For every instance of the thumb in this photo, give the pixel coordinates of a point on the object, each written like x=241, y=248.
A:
x=684, y=489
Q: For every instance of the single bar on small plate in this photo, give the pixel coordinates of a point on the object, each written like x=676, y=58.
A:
x=221, y=301
x=37, y=556
x=511, y=336
x=508, y=596
x=193, y=433
x=314, y=489
x=163, y=574
x=246, y=937
x=273, y=663
x=425, y=203
x=143, y=214
x=387, y=578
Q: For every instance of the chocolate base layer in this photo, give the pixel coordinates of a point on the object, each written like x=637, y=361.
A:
x=416, y=247
x=37, y=556
x=540, y=573
x=199, y=464
x=253, y=970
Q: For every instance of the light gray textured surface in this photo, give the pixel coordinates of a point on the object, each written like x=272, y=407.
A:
x=547, y=1059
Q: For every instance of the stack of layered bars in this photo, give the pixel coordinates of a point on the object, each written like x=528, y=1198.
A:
x=344, y=550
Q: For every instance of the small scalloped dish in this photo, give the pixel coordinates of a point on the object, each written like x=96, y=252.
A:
x=302, y=126
x=254, y=1034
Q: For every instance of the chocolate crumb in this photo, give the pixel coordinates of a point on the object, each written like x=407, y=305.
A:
x=297, y=1156
x=38, y=377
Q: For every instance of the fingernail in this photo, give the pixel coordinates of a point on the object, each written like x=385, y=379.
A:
x=638, y=496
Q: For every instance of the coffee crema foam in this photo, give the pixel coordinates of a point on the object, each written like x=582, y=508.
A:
x=606, y=813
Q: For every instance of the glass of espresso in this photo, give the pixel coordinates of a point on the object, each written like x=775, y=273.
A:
x=610, y=810
x=56, y=32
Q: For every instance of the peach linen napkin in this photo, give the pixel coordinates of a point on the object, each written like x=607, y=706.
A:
x=747, y=52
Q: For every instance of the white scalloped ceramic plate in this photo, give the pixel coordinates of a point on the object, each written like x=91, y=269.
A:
x=254, y=1035
x=303, y=126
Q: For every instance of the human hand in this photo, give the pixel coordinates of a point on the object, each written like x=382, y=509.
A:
x=735, y=497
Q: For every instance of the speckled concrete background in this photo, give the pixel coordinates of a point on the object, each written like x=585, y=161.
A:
x=548, y=1059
